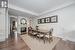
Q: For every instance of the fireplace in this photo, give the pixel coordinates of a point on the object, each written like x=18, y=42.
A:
x=23, y=30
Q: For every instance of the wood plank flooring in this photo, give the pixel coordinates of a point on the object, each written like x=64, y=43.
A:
x=14, y=44
x=18, y=44
x=65, y=45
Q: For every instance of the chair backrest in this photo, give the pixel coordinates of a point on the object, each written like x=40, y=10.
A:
x=50, y=32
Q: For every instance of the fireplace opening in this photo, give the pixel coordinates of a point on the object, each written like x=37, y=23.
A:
x=23, y=30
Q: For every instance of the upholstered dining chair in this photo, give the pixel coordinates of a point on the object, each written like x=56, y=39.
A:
x=40, y=35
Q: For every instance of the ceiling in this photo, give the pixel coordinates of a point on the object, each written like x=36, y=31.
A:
x=36, y=7
x=19, y=13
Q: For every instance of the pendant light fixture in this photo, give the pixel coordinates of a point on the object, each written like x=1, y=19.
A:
x=4, y=4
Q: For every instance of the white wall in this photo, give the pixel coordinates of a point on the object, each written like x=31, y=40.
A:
x=6, y=24
x=66, y=21
x=3, y=24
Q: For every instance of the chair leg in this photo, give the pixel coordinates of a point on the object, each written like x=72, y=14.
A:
x=50, y=39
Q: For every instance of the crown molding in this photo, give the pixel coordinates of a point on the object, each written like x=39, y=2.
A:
x=10, y=6
x=40, y=14
x=60, y=7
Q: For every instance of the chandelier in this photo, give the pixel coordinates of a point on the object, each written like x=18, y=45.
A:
x=4, y=4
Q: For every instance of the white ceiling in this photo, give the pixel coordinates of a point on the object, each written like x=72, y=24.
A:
x=19, y=13
x=38, y=6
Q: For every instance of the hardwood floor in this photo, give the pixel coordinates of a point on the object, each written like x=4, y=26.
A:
x=65, y=45
x=18, y=44
x=14, y=44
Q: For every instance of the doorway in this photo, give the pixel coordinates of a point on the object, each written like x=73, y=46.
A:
x=13, y=27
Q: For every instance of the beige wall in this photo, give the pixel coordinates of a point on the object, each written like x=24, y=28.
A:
x=66, y=21
x=3, y=24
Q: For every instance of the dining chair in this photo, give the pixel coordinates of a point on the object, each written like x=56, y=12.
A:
x=48, y=36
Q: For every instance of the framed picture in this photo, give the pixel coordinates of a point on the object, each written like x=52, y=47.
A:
x=39, y=21
x=54, y=19
x=43, y=20
x=47, y=20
